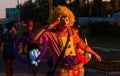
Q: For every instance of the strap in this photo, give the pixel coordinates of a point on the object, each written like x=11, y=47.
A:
x=62, y=53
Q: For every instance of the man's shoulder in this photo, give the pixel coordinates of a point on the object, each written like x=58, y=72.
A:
x=73, y=31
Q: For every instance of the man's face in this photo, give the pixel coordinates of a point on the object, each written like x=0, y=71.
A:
x=30, y=28
x=64, y=22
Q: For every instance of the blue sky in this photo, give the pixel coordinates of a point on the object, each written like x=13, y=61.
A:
x=7, y=4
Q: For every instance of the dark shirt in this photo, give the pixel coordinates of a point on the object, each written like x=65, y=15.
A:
x=29, y=45
x=8, y=40
x=8, y=47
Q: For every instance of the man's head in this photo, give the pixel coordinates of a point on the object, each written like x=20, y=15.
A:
x=64, y=13
x=10, y=25
x=30, y=24
x=64, y=22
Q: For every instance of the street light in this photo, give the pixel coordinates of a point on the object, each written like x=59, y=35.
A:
x=18, y=10
x=50, y=6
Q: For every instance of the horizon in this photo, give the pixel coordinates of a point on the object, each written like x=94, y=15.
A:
x=7, y=4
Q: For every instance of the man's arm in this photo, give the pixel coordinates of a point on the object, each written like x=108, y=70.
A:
x=81, y=44
x=37, y=34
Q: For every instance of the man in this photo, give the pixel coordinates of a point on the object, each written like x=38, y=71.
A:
x=9, y=39
x=30, y=46
x=56, y=33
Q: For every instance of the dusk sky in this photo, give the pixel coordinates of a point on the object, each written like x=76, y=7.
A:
x=10, y=4
x=7, y=4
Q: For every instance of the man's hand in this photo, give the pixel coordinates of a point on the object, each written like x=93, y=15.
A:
x=98, y=57
x=53, y=25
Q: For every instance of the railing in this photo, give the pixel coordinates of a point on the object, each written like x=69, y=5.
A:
x=106, y=66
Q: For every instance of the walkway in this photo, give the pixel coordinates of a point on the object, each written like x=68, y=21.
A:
x=20, y=69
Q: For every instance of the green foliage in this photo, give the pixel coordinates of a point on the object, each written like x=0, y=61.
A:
x=115, y=4
x=39, y=10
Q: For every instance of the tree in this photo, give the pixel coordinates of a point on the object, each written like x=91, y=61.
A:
x=27, y=10
x=37, y=11
x=97, y=8
x=107, y=8
x=116, y=5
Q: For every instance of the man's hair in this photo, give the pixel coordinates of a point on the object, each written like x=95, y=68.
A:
x=10, y=24
x=63, y=11
x=30, y=23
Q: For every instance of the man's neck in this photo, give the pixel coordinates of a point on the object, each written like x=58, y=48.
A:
x=63, y=32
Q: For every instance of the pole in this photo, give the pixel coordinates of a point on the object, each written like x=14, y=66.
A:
x=50, y=6
x=18, y=10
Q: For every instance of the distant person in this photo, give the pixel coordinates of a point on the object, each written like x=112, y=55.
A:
x=28, y=30
x=8, y=54
x=30, y=46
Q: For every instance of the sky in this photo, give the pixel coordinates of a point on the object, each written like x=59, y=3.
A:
x=7, y=4
x=11, y=4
